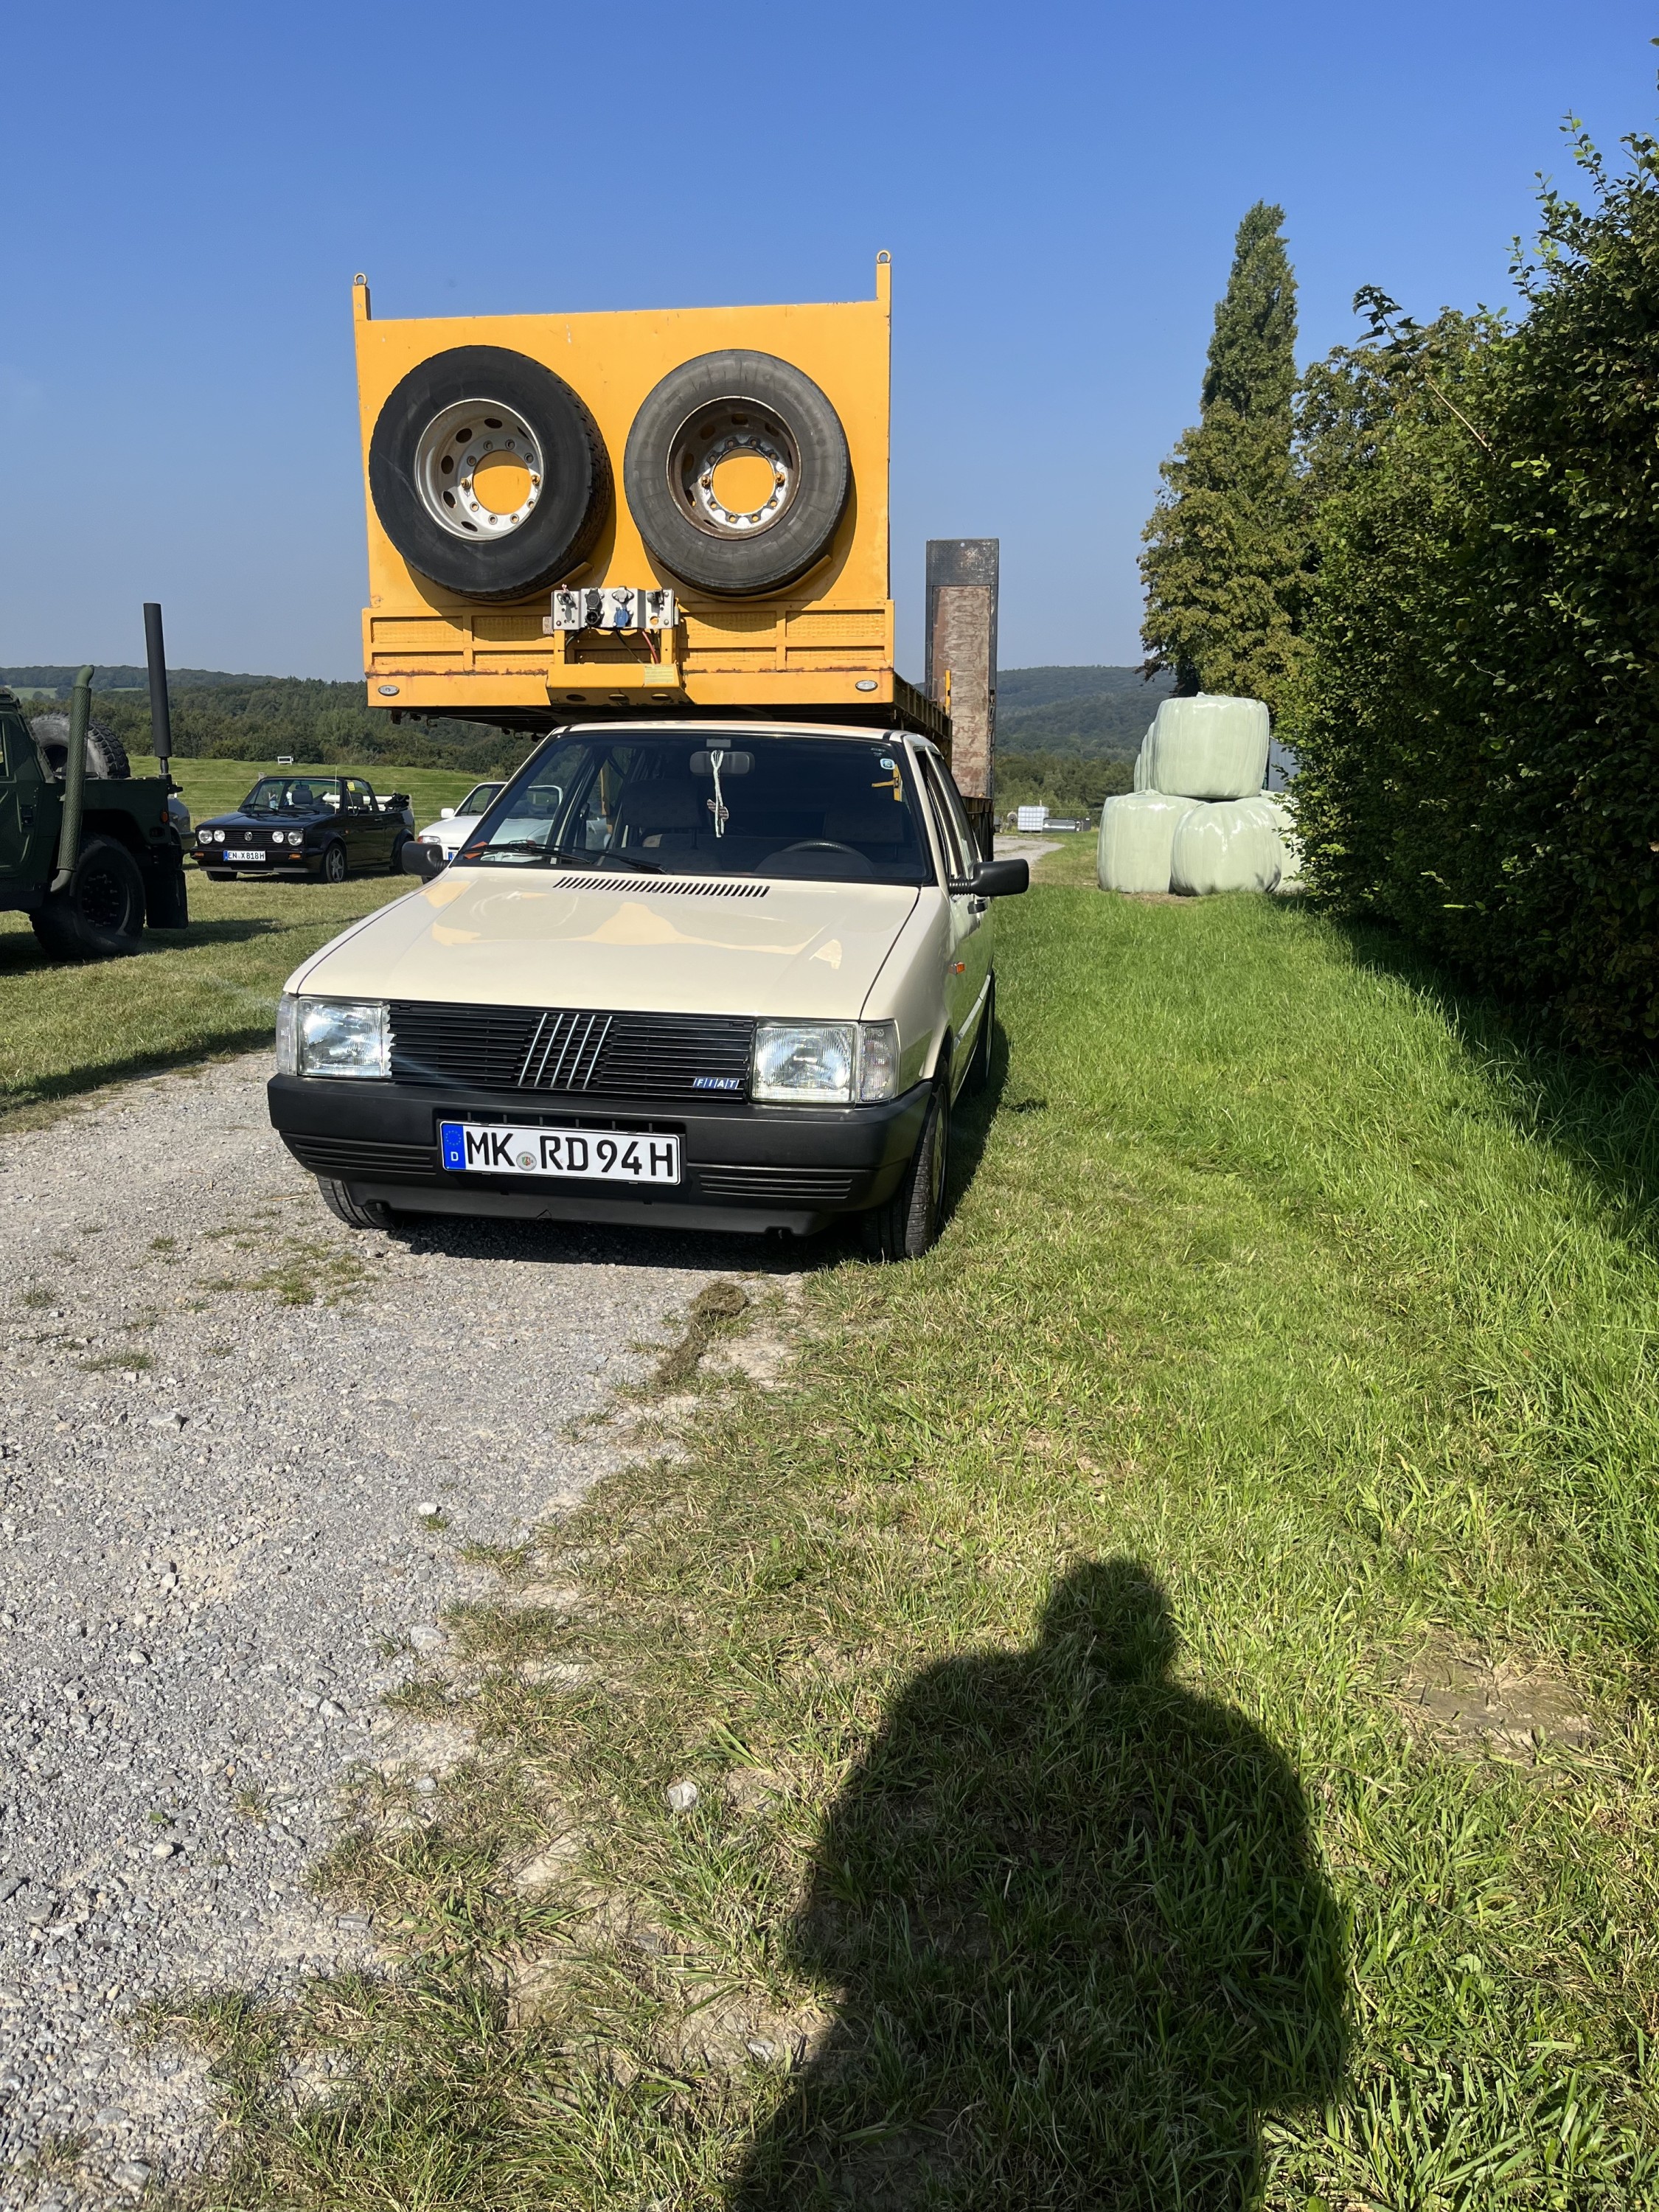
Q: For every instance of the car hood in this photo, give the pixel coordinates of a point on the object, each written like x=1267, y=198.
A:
x=473, y=937
x=285, y=819
x=452, y=832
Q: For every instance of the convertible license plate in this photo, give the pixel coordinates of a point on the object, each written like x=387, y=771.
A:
x=231, y=856
x=597, y=1155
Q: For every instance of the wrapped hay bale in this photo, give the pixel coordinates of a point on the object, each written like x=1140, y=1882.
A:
x=1209, y=747
x=1276, y=808
x=1143, y=762
x=1232, y=846
x=1136, y=833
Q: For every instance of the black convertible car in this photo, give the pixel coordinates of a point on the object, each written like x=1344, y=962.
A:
x=328, y=826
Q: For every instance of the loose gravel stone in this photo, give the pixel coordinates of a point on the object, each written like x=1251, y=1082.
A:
x=229, y=1430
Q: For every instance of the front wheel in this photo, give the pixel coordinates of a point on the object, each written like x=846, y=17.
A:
x=343, y=1203
x=908, y=1224
x=334, y=863
x=100, y=913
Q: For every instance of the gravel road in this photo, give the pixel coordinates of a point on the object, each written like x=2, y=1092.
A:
x=225, y=1423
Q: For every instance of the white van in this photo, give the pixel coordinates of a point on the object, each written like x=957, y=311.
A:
x=683, y=974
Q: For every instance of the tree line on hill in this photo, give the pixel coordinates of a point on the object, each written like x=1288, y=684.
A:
x=1436, y=555
x=221, y=717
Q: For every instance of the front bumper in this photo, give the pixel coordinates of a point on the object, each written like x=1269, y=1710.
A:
x=745, y=1167
x=302, y=864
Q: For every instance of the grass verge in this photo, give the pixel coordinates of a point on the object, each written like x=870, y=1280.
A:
x=1164, y=1686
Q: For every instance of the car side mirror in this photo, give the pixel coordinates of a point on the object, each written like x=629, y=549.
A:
x=424, y=859
x=445, y=814
x=999, y=878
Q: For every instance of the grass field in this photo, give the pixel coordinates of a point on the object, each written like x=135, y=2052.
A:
x=1169, y=1679
x=213, y=987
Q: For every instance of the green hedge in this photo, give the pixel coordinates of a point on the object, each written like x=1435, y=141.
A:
x=1480, y=731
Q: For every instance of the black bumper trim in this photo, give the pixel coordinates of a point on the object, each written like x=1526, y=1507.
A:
x=744, y=1166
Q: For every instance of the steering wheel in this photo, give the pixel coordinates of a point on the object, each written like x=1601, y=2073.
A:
x=816, y=845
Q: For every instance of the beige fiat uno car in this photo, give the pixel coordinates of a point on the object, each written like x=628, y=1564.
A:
x=678, y=974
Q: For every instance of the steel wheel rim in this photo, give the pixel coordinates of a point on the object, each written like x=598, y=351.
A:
x=723, y=430
x=449, y=454
x=103, y=900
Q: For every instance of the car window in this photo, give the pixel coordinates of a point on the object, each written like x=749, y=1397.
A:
x=750, y=801
x=480, y=796
x=958, y=814
x=359, y=798
x=951, y=827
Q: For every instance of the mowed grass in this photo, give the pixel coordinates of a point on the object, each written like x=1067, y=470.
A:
x=65, y=1029
x=1054, y=1656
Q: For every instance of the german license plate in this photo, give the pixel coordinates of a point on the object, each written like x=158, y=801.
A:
x=231, y=856
x=593, y=1155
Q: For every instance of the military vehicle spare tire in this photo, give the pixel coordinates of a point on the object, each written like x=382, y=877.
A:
x=106, y=756
x=737, y=472
x=488, y=474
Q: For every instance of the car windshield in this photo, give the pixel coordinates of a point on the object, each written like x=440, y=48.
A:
x=480, y=796
x=292, y=794
x=716, y=802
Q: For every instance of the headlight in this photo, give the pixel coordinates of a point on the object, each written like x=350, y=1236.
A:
x=333, y=1037
x=825, y=1063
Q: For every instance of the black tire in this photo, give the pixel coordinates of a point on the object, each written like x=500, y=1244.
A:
x=979, y=1068
x=910, y=1222
x=397, y=844
x=343, y=1203
x=100, y=913
x=334, y=868
x=106, y=757
x=673, y=426
x=560, y=529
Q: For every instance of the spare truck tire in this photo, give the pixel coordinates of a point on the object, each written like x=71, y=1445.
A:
x=736, y=473
x=106, y=756
x=488, y=474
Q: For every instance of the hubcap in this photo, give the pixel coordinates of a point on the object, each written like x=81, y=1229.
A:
x=733, y=470
x=478, y=469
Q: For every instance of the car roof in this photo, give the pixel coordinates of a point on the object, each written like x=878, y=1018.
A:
x=871, y=734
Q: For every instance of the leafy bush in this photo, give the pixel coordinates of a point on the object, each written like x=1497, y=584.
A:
x=1480, y=727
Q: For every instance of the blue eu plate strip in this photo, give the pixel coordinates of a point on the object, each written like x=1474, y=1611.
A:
x=453, y=1145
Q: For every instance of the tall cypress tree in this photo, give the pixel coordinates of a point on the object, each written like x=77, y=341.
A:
x=1224, y=555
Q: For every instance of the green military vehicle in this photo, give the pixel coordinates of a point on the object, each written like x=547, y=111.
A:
x=88, y=850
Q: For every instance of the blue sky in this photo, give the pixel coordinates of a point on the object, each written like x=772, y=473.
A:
x=189, y=189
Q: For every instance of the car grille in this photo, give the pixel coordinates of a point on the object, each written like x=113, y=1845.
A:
x=351, y=1155
x=827, y=1185
x=563, y=1050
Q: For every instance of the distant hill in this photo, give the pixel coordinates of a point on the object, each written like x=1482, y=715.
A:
x=1090, y=714
x=61, y=680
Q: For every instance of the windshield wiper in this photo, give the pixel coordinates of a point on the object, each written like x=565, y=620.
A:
x=609, y=861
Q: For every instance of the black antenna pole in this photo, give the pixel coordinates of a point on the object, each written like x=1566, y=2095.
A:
x=161, y=717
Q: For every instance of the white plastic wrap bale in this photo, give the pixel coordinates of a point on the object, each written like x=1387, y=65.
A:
x=1144, y=761
x=1230, y=845
x=1137, y=832
x=1209, y=747
x=1282, y=815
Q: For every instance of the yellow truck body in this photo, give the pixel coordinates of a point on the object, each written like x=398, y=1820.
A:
x=823, y=645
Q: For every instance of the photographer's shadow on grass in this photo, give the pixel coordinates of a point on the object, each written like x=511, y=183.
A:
x=1081, y=1943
